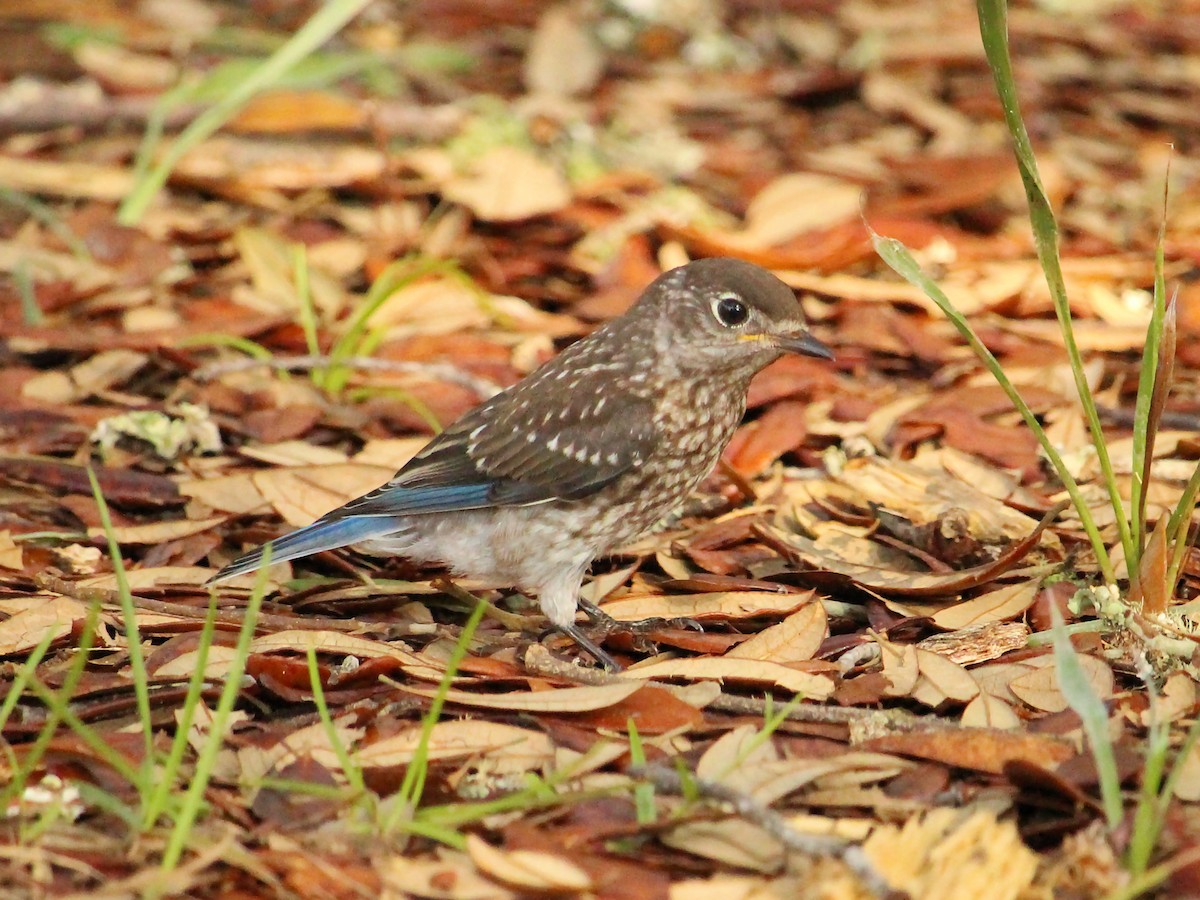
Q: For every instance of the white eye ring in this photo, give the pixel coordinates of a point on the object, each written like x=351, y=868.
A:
x=730, y=310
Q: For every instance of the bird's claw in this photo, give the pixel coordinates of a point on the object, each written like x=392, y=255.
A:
x=580, y=637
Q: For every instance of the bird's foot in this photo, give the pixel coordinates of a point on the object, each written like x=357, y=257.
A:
x=639, y=630
x=604, y=625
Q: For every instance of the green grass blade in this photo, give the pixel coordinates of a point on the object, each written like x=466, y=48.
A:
x=169, y=777
x=207, y=758
x=643, y=792
x=133, y=635
x=1154, y=383
x=1073, y=683
x=307, y=311
x=897, y=256
x=325, y=22
x=352, y=771
x=413, y=785
x=993, y=27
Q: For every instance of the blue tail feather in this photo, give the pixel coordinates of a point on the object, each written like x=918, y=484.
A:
x=321, y=535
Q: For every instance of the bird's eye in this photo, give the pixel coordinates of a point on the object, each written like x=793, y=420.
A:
x=731, y=311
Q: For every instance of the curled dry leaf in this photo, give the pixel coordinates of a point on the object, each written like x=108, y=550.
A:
x=1007, y=602
x=924, y=495
x=527, y=870
x=808, y=685
x=904, y=584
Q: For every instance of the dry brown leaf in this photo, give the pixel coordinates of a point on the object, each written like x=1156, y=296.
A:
x=527, y=870
x=11, y=556
x=451, y=876
x=808, y=685
x=94, y=181
x=1007, y=602
x=139, y=579
x=509, y=749
x=305, y=493
x=986, y=711
x=564, y=58
x=1176, y=700
x=900, y=667
x=1039, y=686
x=795, y=639
x=25, y=629
x=560, y=700
x=302, y=640
x=734, y=842
x=941, y=680
x=216, y=663
x=157, y=532
x=981, y=749
x=924, y=495
x=95, y=374
x=736, y=887
x=235, y=494
x=507, y=184
x=1187, y=788
x=255, y=169
x=719, y=605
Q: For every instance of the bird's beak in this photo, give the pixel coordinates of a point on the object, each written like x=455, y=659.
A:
x=803, y=343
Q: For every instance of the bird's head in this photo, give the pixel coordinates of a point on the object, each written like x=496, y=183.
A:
x=728, y=314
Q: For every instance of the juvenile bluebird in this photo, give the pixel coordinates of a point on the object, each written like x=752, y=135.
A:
x=584, y=454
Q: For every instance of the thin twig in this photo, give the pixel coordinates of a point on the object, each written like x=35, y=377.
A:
x=484, y=387
x=743, y=804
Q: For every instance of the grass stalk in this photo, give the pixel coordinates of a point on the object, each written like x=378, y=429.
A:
x=207, y=758
x=993, y=27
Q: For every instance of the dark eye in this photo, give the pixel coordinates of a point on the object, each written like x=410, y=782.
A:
x=731, y=311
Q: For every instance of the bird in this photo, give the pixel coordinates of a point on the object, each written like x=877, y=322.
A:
x=586, y=453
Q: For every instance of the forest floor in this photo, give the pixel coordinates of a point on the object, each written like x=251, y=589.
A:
x=457, y=190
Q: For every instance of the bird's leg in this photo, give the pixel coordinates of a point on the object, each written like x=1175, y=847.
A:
x=639, y=629
x=577, y=634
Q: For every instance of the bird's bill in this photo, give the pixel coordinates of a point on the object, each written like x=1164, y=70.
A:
x=804, y=344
